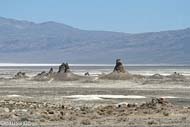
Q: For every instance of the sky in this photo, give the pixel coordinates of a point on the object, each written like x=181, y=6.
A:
x=130, y=16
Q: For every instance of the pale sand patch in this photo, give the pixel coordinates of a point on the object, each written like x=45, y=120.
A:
x=169, y=97
x=15, y=95
x=101, y=97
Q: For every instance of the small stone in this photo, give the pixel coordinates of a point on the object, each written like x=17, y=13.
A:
x=50, y=112
x=42, y=120
x=11, y=102
x=122, y=104
x=165, y=113
x=24, y=110
x=62, y=113
x=6, y=110
x=152, y=122
x=86, y=122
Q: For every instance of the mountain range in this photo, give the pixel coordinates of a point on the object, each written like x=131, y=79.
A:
x=52, y=42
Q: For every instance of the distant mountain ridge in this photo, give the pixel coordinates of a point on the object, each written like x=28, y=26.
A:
x=51, y=42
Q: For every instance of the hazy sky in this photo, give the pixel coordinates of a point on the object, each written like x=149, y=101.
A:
x=131, y=16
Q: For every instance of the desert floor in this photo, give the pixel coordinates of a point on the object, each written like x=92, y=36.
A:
x=95, y=103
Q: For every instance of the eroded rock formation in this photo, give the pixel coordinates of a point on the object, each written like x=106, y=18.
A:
x=87, y=74
x=119, y=68
x=20, y=75
x=64, y=74
x=50, y=71
x=44, y=76
x=119, y=72
x=64, y=68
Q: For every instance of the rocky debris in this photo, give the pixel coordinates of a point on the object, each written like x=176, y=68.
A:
x=86, y=122
x=157, y=106
x=119, y=68
x=20, y=110
x=176, y=77
x=32, y=111
x=156, y=103
x=152, y=122
x=20, y=75
x=119, y=72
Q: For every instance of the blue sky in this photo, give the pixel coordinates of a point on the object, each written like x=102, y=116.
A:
x=131, y=16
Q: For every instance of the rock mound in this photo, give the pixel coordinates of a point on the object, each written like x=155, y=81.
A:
x=64, y=74
x=119, y=72
x=20, y=75
x=176, y=77
x=159, y=79
x=156, y=76
x=44, y=76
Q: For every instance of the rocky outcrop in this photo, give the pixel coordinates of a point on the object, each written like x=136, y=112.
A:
x=20, y=75
x=50, y=71
x=64, y=68
x=87, y=74
x=44, y=76
x=119, y=72
x=119, y=68
x=64, y=74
